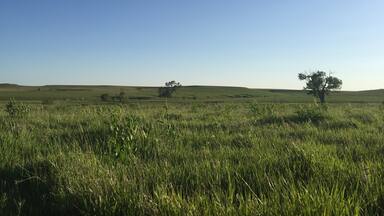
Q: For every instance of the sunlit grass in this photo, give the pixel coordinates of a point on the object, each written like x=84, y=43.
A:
x=193, y=159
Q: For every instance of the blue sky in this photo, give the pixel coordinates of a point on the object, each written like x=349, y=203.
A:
x=257, y=44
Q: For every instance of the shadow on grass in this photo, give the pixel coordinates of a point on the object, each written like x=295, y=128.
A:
x=28, y=190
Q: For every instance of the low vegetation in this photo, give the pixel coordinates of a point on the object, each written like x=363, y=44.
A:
x=16, y=109
x=219, y=158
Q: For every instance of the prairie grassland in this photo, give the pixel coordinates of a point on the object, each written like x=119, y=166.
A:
x=91, y=94
x=193, y=159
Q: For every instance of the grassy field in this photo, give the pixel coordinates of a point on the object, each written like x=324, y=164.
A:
x=208, y=151
x=91, y=94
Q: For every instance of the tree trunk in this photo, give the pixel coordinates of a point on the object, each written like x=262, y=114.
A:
x=322, y=97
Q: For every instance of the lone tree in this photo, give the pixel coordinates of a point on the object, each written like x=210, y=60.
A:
x=169, y=88
x=319, y=84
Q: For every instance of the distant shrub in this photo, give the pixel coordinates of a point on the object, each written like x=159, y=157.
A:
x=16, y=109
x=121, y=97
x=312, y=113
x=105, y=97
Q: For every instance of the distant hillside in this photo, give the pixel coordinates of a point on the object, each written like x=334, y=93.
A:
x=87, y=93
x=8, y=85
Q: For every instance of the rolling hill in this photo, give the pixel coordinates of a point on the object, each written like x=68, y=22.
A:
x=186, y=93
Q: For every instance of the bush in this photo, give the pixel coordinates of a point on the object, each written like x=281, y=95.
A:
x=16, y=109
x=105, y=97
x=130, y=137
x=313, y=113
x=121, y=97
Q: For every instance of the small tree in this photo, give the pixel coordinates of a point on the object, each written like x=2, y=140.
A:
x=319, y=84
x=169, y=89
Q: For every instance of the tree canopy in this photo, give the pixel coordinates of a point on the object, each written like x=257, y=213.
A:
x=169, y=88
x=319, y=84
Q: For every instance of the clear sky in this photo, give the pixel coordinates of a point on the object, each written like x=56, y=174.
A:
x=252, y=43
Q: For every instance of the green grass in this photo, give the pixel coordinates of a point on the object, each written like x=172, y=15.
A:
x=91, y=94
x=193, y=157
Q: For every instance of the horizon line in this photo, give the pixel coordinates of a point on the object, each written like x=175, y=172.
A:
x=155, y=86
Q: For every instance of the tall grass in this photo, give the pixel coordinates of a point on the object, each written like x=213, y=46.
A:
x=201, y=159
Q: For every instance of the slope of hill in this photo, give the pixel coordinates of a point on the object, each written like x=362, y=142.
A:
x=187, y=93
